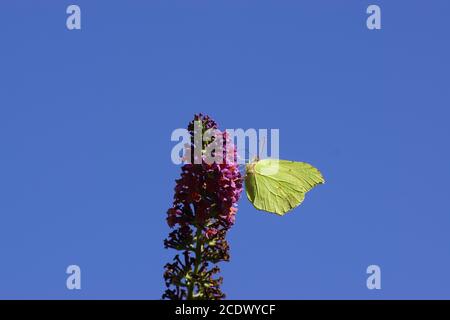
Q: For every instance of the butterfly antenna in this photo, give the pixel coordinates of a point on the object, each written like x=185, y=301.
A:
x=261, y=147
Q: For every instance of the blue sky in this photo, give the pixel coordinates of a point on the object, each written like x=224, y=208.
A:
x=86, y=118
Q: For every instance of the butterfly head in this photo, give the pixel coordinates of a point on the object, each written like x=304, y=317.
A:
x=250, y=167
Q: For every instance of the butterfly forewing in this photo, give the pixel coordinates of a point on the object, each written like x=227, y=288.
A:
x=278, y=186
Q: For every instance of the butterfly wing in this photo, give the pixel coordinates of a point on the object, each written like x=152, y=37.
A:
x=278, y=186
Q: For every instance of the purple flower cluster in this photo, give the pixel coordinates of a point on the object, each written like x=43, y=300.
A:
x=204, y=209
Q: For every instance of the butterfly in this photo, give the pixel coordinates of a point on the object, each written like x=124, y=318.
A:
x=278, y=186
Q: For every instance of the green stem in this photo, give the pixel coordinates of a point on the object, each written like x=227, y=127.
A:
x=198, y=259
